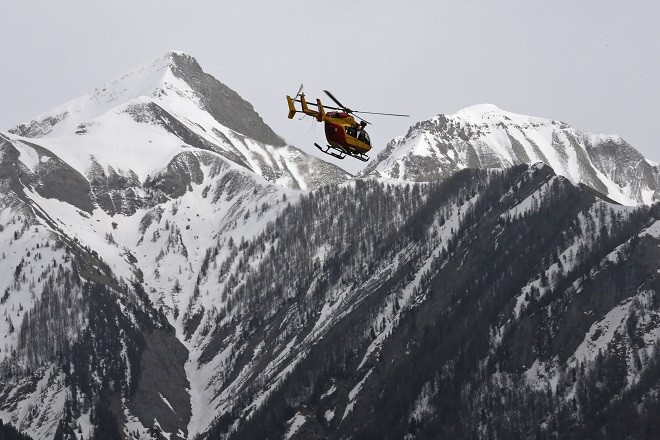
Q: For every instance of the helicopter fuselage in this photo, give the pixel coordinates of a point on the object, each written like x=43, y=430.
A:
x=341, y=131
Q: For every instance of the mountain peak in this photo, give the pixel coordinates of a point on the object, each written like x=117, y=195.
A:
x=484, y=136
x=174, y=79
x=478, y=111
x=158, y=111
x=180, y=53
x=491, y=114
x=182, y=61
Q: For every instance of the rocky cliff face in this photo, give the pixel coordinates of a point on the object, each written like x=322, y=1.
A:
x=224, y=104
x=27, y=164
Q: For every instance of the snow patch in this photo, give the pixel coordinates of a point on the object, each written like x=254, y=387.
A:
x=353, y=394
x=294, y=425
x=600, y=333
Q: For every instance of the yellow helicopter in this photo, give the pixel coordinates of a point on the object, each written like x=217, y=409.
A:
x=344, y=135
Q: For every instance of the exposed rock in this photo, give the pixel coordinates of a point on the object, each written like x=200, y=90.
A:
x=162, y=393
x=39, y=127
x=176, y=178
x=116, y=192
x=51, y=177
x=225, y=105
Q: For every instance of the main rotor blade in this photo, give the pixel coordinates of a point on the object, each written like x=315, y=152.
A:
x=385, y=114
x=357, y=111
x=336, y=100
x=362, y=119
x=315, y=104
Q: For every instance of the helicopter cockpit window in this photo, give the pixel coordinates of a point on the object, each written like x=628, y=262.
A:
x=351, y=131
x=364, y=137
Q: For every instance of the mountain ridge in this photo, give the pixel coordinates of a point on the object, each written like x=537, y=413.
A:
x=485, y=136
x=165, y=275
x=139, y=122
x=154, y=79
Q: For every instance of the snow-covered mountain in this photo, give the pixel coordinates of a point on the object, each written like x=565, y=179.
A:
x=130, y=129
x=170, y=269
x=136, y=179
x=484, y=136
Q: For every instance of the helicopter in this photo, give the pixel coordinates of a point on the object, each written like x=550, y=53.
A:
x=345, y=136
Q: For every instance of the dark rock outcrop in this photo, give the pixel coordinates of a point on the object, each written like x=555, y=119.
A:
x=162, y=390
x=225, y=105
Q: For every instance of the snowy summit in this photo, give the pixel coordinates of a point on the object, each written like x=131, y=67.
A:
x=138, y=122
x=484, y=136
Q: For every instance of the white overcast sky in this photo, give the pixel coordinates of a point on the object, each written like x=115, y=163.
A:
x=592, y=64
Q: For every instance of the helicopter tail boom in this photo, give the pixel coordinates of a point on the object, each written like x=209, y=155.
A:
x=319, y=115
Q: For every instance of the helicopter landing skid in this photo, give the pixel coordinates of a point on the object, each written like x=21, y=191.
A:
x=342, y=153
x=339, y=155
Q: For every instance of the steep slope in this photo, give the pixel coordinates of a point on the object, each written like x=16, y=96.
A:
x=67, y=273
x=483, y=314
x=437, y=296
x=81, y=187
x=486, y=137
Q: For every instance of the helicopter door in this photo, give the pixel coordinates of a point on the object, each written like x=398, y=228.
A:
x=364, y=137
